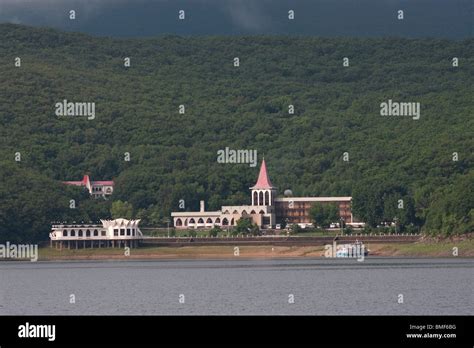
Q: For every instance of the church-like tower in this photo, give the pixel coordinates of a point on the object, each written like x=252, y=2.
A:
x=263, y=192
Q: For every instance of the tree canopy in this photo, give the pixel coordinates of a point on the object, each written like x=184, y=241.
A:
x=324, y=214
x=335, y=143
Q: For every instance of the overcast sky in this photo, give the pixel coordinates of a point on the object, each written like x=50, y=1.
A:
x=423, y=18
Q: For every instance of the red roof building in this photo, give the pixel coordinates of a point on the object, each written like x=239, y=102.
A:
x=267, y=210
x=263, y=181
x=95, y=188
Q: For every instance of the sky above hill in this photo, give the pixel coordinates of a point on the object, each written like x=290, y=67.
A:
x=353, y=18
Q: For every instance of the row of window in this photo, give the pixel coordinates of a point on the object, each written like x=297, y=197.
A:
x=80, y=233
x=125, y=232
x=294, y=211
x=260, y=199
x=306, y=205
x=225, y=222
x=244, y=212
x=100, y=189
x=96, y=233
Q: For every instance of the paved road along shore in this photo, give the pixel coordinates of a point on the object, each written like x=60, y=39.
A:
x=276, y=240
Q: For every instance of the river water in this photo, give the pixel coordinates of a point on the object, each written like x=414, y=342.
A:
x=239, y=287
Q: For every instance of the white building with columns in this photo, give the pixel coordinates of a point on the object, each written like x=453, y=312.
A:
x=261, y=211
x=114, y=233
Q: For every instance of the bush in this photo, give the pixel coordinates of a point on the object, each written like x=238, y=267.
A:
x=213, y=232
x=348, y=230
x=412, y=229
x=295, y=228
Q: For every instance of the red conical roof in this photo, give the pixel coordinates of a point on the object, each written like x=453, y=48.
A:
x=263, y=181
x=87, y=182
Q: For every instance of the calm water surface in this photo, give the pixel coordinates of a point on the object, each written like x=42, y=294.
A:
x=241, y=287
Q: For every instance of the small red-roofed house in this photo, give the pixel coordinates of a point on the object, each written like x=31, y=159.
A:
x=95, y=188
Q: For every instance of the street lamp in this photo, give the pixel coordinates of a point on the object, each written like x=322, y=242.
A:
x=167, y=220
x=341, y=222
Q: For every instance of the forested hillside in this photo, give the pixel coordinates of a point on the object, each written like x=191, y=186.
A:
x=173, y=155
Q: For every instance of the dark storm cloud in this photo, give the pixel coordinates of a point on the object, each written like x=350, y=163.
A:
x=423, y=18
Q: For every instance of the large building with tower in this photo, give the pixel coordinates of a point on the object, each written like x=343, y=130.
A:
x=266, y=210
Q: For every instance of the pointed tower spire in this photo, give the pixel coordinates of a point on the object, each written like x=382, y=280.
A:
x=87, y=182
x=263, y=181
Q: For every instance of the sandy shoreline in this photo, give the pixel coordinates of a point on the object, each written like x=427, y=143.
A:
x=465, y=248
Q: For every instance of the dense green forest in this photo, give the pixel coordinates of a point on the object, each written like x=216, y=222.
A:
x=173, y=155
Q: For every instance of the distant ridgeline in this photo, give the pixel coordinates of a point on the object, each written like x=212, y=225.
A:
x=386, y=121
